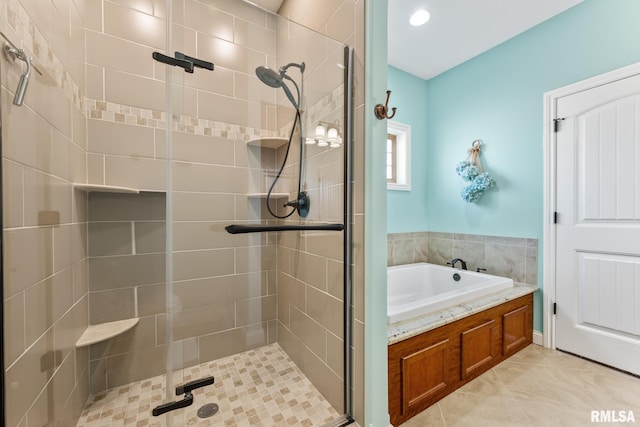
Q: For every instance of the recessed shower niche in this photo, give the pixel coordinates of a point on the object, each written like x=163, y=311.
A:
x=126, y=249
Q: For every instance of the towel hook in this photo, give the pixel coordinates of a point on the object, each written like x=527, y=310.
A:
x=382, y=110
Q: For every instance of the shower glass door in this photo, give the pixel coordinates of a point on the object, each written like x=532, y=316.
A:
x=123, y=290
x=261, y=313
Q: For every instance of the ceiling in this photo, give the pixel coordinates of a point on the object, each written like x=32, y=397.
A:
x=459, y=30
x=272, y=5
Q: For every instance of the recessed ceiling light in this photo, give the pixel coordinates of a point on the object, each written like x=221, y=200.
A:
x=419, y=17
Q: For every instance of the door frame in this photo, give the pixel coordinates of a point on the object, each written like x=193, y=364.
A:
x=550, y=182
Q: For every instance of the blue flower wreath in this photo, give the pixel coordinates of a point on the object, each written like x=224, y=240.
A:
x=480, y=181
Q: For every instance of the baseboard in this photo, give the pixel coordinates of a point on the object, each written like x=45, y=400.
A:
x=537, y=338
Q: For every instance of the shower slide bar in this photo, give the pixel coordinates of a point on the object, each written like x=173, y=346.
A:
x=260, y=228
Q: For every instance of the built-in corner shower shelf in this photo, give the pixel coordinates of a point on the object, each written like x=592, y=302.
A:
x=102, y=332
x=104, y=188
x=111, y=189
x=268, y=142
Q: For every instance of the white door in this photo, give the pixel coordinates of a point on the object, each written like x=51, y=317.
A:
x=598, y=224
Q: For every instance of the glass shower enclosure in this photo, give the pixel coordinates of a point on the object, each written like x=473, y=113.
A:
x=183, y=260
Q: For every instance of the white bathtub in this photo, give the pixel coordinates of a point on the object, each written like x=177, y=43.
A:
x=417, y=289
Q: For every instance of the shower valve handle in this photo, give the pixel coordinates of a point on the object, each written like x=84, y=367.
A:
x=301, y=204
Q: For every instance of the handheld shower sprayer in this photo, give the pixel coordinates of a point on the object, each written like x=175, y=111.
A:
x=12, y=53
x=276, y=79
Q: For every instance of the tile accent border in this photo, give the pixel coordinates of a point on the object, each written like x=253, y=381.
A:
x=118, y=113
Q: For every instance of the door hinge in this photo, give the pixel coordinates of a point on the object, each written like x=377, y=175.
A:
x=554, y=308
x=556, y=124
x=187, y=400
x=555, y=217
x=182, y=60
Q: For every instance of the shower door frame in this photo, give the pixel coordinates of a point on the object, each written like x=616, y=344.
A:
x=2, y=382
x=347, y=279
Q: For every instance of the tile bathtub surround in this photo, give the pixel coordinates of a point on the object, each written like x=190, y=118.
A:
x=261, y=387
x=535, y=387
x=407, y=248
x=516, y=258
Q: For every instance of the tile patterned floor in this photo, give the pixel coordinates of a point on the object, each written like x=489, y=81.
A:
x=261, y=387
x=536, y=387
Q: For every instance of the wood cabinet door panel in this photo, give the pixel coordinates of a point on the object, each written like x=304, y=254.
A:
x=424, y=373
x=478, y=347
x=516, y=332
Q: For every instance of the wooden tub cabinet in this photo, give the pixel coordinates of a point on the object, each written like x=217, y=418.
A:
x=425, y=368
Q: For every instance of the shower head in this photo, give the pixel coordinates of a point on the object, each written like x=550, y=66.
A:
x=269, y=76
x=275, y=79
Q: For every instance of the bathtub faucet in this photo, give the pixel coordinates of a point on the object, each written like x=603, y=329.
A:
x=455, y=260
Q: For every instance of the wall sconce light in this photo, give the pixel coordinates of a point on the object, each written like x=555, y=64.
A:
x=326, y=134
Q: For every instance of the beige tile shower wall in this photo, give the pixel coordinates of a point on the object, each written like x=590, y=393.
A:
x=310, y=289
x=44, y=152
x=225, y=286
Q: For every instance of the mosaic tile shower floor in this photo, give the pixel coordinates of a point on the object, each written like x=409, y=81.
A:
x=261, y=387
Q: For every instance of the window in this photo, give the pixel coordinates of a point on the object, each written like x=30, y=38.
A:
x=392, y=158
x=398, y=156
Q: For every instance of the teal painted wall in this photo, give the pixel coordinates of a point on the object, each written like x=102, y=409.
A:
x=407, y=210
x=498, y=97
x=374, y=369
